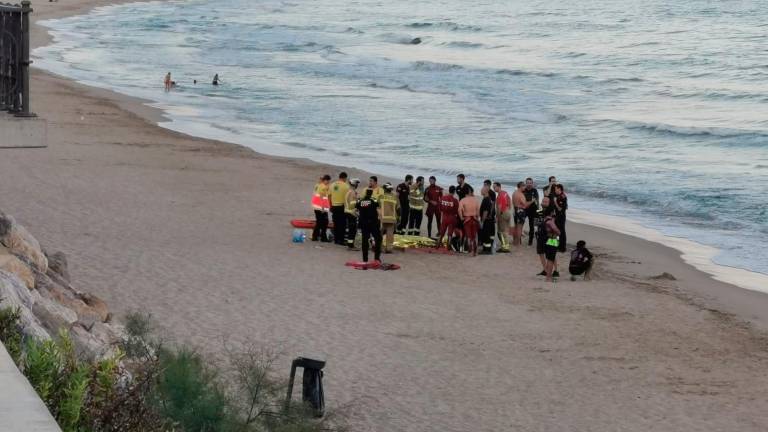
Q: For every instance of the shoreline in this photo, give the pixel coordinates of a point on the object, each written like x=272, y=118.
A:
x=699, y=255
x=692, y=253
x=196, y=232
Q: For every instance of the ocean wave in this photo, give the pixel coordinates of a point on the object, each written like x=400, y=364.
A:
x=404, y=39
x=517, y=72
x=436, y=67
x=408, y=88
x=462, y=44
x=620, y=80
x=445, y=25
x=695, y=130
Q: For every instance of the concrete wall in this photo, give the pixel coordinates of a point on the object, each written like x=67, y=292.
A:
x=21, y=409
x=22, y=132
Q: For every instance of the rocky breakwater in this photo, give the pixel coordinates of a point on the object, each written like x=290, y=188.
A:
x=38, y=283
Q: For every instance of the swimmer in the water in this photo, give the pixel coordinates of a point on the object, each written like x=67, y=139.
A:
x=216, y=80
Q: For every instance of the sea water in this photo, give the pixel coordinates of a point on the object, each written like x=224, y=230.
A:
x=651, y=110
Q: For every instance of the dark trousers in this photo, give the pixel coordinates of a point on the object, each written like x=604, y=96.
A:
x=320, y=232
x=531, y=221
x=486, y=234
x=436, y=216
x=339, y=224
x=368, y=233
x=351, y=229
x=405, y=210
x=414, y=221
x=560, y=222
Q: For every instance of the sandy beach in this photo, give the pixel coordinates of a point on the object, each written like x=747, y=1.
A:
x=196, y=232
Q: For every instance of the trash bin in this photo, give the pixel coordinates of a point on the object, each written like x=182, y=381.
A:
x=312, y=384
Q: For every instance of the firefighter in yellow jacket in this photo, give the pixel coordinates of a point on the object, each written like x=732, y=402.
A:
x=321, y=204
x=416, y=202
x=350, y=211
x=390, y=209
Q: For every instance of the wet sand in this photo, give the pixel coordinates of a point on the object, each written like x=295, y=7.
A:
x=196, y=232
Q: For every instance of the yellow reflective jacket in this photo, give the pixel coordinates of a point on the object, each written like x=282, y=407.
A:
x=389, y=207
x=416, y=198
x=350, y=202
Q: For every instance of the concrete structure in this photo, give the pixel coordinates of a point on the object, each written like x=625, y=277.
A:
x=23, y=132
x=21, y=409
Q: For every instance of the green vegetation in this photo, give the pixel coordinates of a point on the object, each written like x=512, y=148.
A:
x=146, y=386
x=10, y=333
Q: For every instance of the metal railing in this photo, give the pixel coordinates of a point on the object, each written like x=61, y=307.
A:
x=14, y=58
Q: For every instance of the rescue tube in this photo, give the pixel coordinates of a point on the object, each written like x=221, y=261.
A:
x=372, y=265
x=306, y=223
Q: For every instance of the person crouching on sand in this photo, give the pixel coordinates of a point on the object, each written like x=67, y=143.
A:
x=581, y=261
x=469, y=212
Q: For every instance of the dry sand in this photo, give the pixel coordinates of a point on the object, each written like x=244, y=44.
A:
x=196, y=232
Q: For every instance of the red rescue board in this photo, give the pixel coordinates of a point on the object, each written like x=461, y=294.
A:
x=306, y=223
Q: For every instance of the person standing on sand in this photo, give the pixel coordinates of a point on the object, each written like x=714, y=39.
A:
x=551, y=246
x=488, y=220
x=532, y=195
x=373, y=186
x=339, y=190
x=370, y=227
x=350, y=211
x=521, y=208
x=549, y=189
x=432, y=197
x=462, y=188
x=168, y=83
x=503, y=217
x=320, y=205
x=403, y=195
x=416, y=202
x=541, y=237
x=449, y=213
x=389, y=207
x=560, y=203
x=469, y=211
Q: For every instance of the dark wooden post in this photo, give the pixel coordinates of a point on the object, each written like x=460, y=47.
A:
x=26, y=9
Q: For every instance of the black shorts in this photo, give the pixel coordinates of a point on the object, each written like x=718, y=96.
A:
x=550, y=252
x=520, y=215
x=578, y=270
x=540, y=245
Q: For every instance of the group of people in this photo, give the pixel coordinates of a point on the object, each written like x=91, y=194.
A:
x=170, y=83
x=466, y=223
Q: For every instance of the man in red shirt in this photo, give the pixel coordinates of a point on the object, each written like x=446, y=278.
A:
x=504, y=216
x=432, y=196
x=449, y=211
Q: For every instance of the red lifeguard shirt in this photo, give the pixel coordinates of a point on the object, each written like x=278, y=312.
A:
x=449, y=206
x=503, y=201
